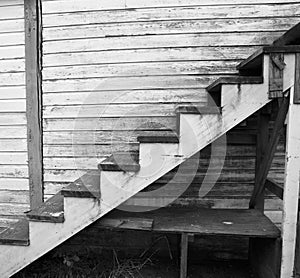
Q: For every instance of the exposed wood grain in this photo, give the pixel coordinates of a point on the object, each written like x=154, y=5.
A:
x=297, y=81
x=209, y=221
x=123, y=97
x=172, y=13
x=64, y=5
x=159, y=41
x=291, y=183
x=276, y=75
x=184, y=255
x=129, y=83
x=149, y=55
x=169, y=27
x=140, y=69
x=33, y=97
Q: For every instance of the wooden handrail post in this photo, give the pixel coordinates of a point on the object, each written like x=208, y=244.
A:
x=33, y=100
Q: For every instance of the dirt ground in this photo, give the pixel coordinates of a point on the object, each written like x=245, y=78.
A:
x=58, y=265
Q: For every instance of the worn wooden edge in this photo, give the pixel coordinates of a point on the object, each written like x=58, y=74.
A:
x=217, y=85
x=297, y=80
x=256, y=58
x=87, y=186
x=16, y=234
x=119, y=219
x=292, y=36
x=198, y=110
x=274, y=187
x=172, y=139
x=125, y=162
x=131, y=223
x=33, y=97
x=50, y=211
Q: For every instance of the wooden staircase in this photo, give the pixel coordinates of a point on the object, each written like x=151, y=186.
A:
x=123, y=175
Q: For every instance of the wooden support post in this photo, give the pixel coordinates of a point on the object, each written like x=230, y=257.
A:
x=261, y=146
x=184, y=255
x=297, y=253
x=270, y=151
x=33, y=100
x=292, y=176
x=276, y=75
x=297, y=81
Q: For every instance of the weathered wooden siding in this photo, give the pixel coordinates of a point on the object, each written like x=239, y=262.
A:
x=115, y=69
x=13, y=142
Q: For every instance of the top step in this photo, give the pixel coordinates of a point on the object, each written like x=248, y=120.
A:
x=253, y=65
x=291, y=37
x=289, y=42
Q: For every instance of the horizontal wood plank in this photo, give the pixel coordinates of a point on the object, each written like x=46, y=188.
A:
x=66, y=6
x=159, y=41
x=172, y=13
x=170, y=27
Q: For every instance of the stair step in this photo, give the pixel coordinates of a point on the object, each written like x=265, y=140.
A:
x=226, y=222
x=291, y=37
x=16, y=233
x=198, y=110
x=159, y=139
x=253, y=64
x=216, y=86
x=87, y=186
x=126, y=162
x=50, y=211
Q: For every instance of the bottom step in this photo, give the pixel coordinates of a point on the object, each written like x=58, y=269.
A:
x=232, y=222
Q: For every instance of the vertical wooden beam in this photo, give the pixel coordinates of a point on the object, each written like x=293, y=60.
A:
x=276, y=75
x=33, y=100
x=184, y=255
x=261, y=146
x=297, y=253
x=291, y=183
x=297, y=81
x=270, y=151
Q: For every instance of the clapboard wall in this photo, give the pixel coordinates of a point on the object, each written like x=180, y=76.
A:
x=113, y=70
x=14, y=186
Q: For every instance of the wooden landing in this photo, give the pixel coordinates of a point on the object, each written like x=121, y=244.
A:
x=227, y=222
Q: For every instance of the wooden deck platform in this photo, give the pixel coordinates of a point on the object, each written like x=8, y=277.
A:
x=227, y=222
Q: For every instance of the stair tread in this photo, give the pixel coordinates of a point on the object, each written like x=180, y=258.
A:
x=87, y=186
x=50, y=211
x=172, y=138
x=127, y=162
x=198, y=109
x=255, y=60
x=17, y=233
x=216, y=85
x=234, y=222
x=292, y=36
